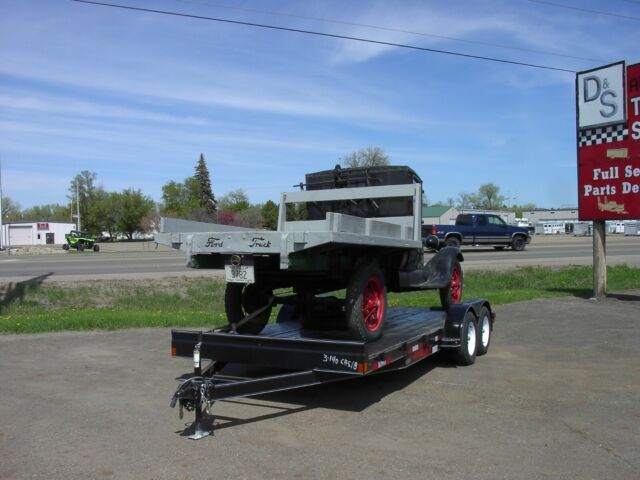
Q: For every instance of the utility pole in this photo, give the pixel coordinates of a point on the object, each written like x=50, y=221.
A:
x=1, y=236
x=78, y=202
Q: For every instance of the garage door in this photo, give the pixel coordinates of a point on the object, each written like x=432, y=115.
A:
x=20, y=235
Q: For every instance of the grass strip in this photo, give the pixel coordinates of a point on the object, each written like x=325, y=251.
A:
x=33, y=307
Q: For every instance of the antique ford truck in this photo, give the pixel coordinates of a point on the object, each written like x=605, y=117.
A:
x=357, y=229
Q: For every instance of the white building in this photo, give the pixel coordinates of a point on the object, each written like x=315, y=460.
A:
x=34, y=233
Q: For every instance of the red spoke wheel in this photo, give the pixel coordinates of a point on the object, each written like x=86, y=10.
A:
x=452, y=293
x=366, y=302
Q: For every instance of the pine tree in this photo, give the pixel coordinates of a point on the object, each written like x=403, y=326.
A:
x=207, y=200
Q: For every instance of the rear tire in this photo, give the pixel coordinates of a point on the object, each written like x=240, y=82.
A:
x=81, y=247
x=366, y=302
x=452, y=242
x=241, y=299
x=485, y=331
x=452, y=293
x=466, y=353
x=65, y=246
x=96, y=248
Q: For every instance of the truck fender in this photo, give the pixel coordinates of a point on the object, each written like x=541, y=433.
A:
x=455, y=318
x=436, y=273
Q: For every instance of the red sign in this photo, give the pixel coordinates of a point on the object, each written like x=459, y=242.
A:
x=43, y=226
x=609, y=151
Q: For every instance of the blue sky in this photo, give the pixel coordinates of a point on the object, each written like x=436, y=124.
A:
x=136, y=97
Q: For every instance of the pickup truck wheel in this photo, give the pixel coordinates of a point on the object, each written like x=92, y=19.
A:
x=242, y=299
x=366, y=302
x=466, y=353
x=452, y=293
x=484, y=331
x=452, y=242
x=518, y=243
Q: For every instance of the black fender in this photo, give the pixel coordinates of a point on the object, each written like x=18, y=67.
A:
x=435, y=274
x=455, y=317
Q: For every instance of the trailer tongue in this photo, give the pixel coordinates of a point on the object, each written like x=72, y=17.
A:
x=285, y=355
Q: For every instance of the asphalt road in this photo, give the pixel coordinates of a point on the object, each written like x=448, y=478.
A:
x=557, y=396
x=143, y=261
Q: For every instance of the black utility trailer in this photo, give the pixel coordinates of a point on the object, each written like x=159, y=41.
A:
x=285, y=355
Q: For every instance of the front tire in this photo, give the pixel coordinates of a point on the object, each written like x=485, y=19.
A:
x=518, y=243
x=366, y=302
x=242, y=299
x=452, y=293
x=466, y=353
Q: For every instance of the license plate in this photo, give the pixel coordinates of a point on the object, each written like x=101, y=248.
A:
x=239, y=273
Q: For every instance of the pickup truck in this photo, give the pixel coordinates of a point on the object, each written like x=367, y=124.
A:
x=476, y=229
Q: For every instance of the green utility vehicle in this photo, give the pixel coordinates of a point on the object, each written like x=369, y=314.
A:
x=80, y=240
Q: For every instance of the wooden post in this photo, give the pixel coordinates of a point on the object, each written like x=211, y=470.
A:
x=599, y=259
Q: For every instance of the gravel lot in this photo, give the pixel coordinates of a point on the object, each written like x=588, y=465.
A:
x=557, y=396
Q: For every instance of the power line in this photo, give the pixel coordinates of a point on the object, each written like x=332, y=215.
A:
x=328, y=35
x=597, y=12
x=389, y=29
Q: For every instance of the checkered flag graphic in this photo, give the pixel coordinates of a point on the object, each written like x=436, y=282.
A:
x=598, y=136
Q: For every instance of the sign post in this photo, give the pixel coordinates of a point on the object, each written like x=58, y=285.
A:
x=608, y=136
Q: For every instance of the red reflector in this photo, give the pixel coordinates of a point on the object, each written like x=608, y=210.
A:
x=174, y=352
x=434, y=230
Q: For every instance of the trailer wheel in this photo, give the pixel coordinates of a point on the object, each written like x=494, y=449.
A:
x=452, y=242
x=65, y=246
x=466, y=353
x=518, y=243
x=452, y=293
x=242, y=299
x=96, y=248
x=366, y=302
x=484, y=331
x=80, y=247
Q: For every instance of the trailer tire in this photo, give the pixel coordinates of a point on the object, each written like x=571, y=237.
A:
x=80, y=247
x=518, y=243
x=485, y=331
x=366, y=302
x=466, y=353
x=242, y=299
x=452, y=293
x=452, y=242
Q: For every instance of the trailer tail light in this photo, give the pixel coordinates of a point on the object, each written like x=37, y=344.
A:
x=362, y=368
x=174, y=351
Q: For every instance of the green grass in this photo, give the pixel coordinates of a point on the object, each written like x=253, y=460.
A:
x=32, y=307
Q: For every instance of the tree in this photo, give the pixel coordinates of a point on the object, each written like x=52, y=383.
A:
x=250, y=217
x=49, y=212
x=107, y=207
x=83, y=184
x=10, y=210
x=366, y=157
x=134, y=206
x=270, y=215
x=236, y=200
x=489, y=196
x=466, y=200
x=207, y=201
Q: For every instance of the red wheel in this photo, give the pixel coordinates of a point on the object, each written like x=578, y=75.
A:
x=452, y=293
x=366, y=302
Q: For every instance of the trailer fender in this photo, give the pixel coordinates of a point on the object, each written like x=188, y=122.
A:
x=455, y=318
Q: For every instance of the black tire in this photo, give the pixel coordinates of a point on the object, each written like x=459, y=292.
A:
x=501, y=247
x=80, y=247
x=452, y=242
x=65, y=246
x=96, y=248
x=366, y=302
x=241, y=299
x=452, y=293
x=466, y=353
x=485, y=331
x=518, y=243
